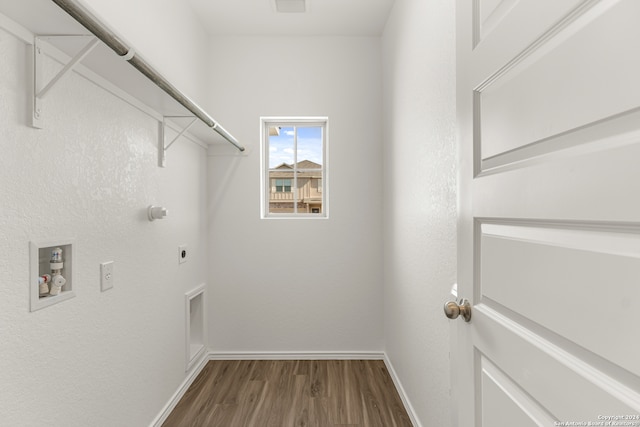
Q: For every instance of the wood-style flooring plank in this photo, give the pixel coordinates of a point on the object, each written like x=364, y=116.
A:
x=345, y=406
x=249, y=407
x=291, y=393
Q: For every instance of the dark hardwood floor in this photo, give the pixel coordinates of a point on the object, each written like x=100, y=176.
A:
x=288, y=393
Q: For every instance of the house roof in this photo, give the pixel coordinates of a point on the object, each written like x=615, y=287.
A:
x=304, y=164
x=308, y=164
x=286, y=170
x=284, y=166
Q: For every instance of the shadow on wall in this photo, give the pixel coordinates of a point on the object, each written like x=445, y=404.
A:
x=223, y=179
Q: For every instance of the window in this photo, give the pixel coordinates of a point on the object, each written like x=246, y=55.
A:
x=283, y=185
x=294, y=167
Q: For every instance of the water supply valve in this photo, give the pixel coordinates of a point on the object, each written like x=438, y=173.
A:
x=43, y=284
x=56, y=264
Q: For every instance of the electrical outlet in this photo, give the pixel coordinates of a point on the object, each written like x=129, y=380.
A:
x=182, y=254
x=106, y=276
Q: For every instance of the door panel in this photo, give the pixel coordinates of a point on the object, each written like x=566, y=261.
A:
x=489, y=14
x=541, y=96
x=576, y=185
x=566, y=386
x=504, y=403
x=502, y=29
x=580, y=284
x=594, y=139
x=549, y=227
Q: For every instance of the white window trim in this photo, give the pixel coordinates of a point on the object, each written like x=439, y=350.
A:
x=265, y=123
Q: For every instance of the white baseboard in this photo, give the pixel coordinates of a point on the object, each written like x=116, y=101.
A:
x=300, y=355
x=171, y=404
x=277, y=355
x=403, y=396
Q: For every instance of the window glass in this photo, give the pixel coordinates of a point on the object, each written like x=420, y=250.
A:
x=294, y=167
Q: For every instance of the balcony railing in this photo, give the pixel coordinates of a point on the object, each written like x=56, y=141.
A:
x=288, y=195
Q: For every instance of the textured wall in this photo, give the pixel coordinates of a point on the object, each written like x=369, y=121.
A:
x=100, y=359
x=420, y=199
x=297, y=285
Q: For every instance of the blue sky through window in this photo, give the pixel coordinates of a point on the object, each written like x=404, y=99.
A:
x=281, y=147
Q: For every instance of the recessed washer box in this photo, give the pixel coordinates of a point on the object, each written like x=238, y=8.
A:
x=40, y=266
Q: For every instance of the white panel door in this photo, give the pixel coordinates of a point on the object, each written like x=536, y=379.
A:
x=549, y=228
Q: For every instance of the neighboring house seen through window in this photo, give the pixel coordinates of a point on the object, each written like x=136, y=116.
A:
x=294, y=167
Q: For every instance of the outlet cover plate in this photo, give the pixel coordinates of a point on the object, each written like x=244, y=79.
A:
x=182, y=254
x=106, y=276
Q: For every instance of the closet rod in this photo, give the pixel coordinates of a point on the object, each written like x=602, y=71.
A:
x=91, y=23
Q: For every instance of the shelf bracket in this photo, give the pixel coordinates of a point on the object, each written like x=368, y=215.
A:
x=162, y=143
x=40, y=88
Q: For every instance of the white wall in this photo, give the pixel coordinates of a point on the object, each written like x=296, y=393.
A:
x=297, y=285
x=167, y=34
x=100, y=359
x=420, y=202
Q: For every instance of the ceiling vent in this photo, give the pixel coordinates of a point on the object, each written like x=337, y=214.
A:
x=291, y=6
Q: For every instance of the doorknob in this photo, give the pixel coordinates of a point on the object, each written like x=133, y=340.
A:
x=454, y=309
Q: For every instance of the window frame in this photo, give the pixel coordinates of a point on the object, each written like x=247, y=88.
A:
x=265, y=180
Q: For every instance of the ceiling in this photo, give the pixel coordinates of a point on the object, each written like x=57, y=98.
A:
x=323, y=17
